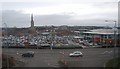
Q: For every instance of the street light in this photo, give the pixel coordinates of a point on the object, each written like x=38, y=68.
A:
x=115, y=39
x=51, y=40
x=106, y=36
x=7, y=44
x=115, y=31
x=115, y=42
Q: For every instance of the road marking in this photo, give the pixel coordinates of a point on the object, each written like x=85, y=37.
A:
x=110, y=51
x=106, y=52
x=48, y=63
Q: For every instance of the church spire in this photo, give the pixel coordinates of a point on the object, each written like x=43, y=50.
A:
x=32, y=21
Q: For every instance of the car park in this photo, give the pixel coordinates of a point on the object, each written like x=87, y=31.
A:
x=76, y=54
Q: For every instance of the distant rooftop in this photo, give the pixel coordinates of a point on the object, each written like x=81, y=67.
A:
x=102, y=31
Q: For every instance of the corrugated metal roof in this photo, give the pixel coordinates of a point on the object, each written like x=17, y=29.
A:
x=102, y=31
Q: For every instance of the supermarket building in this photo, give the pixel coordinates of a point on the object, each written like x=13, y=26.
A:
x=105, y=37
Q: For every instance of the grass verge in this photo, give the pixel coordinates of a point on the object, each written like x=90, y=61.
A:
x=113, y=63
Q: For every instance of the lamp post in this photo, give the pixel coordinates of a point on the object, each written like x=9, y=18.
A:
x=7, y=44
x=106, y=36
x=51, y=40
x=115, y=40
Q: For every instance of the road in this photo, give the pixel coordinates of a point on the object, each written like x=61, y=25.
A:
x=93, y=57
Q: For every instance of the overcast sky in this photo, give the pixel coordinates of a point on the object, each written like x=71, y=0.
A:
x=59, y=12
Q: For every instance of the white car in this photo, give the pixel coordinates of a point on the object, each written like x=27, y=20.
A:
x=83, y=47
x=76, y=54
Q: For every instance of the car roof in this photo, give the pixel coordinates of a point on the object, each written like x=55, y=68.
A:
x=30, y=52
x=77, y=52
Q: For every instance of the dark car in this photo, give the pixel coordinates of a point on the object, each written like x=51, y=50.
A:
x=28, y=54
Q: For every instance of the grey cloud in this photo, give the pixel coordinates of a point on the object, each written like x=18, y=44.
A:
x=16, y=18
x=28, y=5
x=52, y=19
x=13, y=18
x=105, y=4
x=59, y=0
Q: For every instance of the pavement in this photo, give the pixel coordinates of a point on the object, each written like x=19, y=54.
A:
x=19, y=63
x=93, y=57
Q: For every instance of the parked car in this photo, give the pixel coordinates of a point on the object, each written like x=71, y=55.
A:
x=83, y=47
x=76, y=54
x=28, y=54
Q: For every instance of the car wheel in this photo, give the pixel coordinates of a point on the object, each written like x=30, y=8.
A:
x=23, y=56
x=31, y=55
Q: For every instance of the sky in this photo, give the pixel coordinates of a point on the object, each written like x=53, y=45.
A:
x=60, y=12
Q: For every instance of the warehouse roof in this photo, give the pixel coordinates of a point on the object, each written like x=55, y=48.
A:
x=102, y=31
